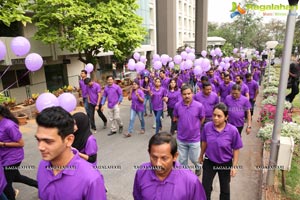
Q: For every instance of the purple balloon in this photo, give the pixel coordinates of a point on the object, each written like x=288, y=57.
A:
x=198, y=62
x=188, y=64
x=183, y=55
x=204, y=53
x=156, y=57
x=33, y=62
x=20, y=46
x=205, y=63
x=235, y=50
x=197, y=70
x=222, y=64
x=136, y=56
x=220, y=68
x=218, y=51
x=243, y=55
x=191, y=56
x=216, y=62
x=139, y=66
x=188, y=49
x=2, y=50
x=143, y=59
x=206, y=68
x=171, y=65
x=177, y=59
x=227, y=65
x=226, y=59
x=67, y=101
x=182, y=65
x=213, y=53
x=89, y=67
x=157, y=65
x=164, y=59
x=192, y=51
x=46, y=100
x=131, y=64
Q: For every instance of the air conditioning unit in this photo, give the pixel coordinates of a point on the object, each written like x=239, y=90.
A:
x=285, y=153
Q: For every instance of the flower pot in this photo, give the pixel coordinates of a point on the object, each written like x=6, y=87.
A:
x=22, y=118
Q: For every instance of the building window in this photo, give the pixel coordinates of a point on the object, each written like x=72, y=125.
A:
x=15, y=76
x=15, y=29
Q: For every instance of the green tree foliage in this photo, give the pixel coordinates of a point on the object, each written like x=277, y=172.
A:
x=12, y=11
x=90, y=26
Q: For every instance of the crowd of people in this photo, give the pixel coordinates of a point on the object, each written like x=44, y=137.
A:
x=207, y=112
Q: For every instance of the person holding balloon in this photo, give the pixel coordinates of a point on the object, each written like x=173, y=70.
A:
x=83, y=88
x=12, y=152
x=146, y=88
x=94, y=98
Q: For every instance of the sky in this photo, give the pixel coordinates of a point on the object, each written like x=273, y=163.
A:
x=219, y=10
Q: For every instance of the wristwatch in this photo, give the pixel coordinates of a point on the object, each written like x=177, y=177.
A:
x=248, y=126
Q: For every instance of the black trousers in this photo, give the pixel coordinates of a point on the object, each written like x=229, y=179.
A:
x=295, y=90
x=240, y=129
x=173, y=124
x=252, y=102
x=91, y=115
x=12, y=174
x=209, y=171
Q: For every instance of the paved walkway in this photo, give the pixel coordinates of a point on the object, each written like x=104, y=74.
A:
x=126, y=153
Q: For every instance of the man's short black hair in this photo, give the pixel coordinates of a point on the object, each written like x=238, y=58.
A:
x=163, y=138
x=84, y=71
x=56, y=117
x=186, y=87
x=204, y=78
x=109, y=76
x=87, y=80
x=206, y=84
x=248, y=75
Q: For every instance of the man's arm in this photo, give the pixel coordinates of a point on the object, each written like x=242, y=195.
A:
x=96, y=189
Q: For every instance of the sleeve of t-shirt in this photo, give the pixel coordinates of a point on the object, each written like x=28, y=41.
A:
x=91, y=147
x=203, y=133
x=141, y=93
x=202, y=111
x=164, y=92
x=96, y=189
x=247, y=105
x=136, y=188
x=98, y=88
x=175, y=111
x=14, y=132
x=198, y=191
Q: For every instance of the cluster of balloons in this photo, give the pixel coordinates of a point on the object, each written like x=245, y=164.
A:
x=138, y=62
x=66, y=100
x=20, y=46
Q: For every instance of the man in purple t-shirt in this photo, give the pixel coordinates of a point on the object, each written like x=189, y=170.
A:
x=244, y=87
x=94, y=98
x=189, y=114
x=164, y=178
x=238, y=105
x=253, y=90
x=225, y=87
x=62, y=174
x=113, y=94
x=83, y=88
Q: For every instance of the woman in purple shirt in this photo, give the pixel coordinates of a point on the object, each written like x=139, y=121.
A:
x=84, y=141
x=220, y=142
x=12, y=152
x=158, y=96
x=146, y=88
x=137, y=108
x=174, y=96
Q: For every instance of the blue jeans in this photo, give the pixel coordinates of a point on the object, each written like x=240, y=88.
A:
x=147, y=98
x=189, y=150
x=133, y=113
x=86, y=105
x=3, y=197
x=158, y=114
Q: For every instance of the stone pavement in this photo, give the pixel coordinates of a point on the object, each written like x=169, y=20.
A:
x=117, y=157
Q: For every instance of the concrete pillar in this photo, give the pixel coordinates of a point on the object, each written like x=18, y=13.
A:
x=201, y=26
x=166, y=27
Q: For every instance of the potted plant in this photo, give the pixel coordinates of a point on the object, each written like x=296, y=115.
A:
x=22, y=118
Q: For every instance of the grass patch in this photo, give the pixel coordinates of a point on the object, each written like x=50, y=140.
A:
x=296, y=102
x=292, y=178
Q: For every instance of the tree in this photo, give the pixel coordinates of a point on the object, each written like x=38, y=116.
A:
x=276, y=30
x=12, y=11
x=90, y=26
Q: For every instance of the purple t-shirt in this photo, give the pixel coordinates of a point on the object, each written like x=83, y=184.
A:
x=136, y=105
x=244, y=89
x=165, y=82
x=83, y=88
x=253, y=86
x=220, y=145
x=2, y=178
x=173, y=98
x=236, y=109
x=208, y=102
x=9, y=132
x=225, y=90
x=93, y=93
x=157, y=98
x=112, y=93
x=188, y=124
x=79, y=180
x=91, y=147
x=181, y=184
x=256, y=75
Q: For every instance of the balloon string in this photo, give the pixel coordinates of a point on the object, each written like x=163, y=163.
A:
x=15, y=81
x=5, y=71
